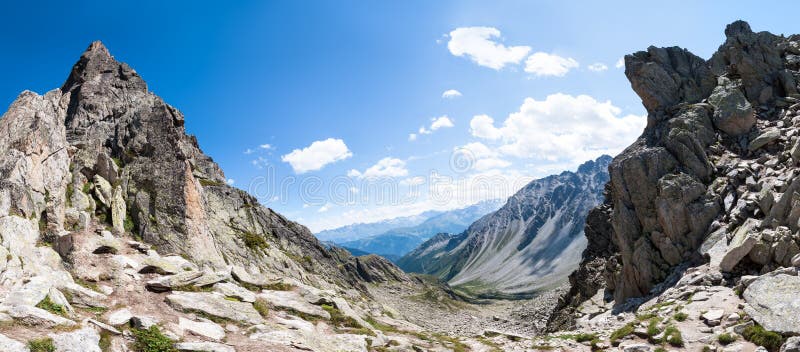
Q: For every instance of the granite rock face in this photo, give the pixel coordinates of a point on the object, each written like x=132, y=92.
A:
x=715, y=158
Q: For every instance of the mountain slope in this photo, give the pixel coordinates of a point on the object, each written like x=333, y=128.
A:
x=533, y=242
x=399, y=241
x=362, y=230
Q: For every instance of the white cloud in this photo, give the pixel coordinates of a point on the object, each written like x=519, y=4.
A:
x=441, y=122
x=230, y=181
x=324, y=208
x=386, y=167
x=317, y=155
x=481, y=157
x=482, y=126
x=479, y=44
x=562, y=128
x=597, y=67
x=451, y=93
x=248, y=151
x=436, y=123
x=544, y=64
x=265, y=146
x=620, y=63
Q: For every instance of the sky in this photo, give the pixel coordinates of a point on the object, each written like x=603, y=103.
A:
x=338, y=112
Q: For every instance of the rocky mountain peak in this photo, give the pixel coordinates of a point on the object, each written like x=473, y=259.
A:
x=712, y=178
x=98, y=67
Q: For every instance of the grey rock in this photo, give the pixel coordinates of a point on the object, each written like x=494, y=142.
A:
x=204, y=347
x=166, y=283
x=713, y=317
x=233, y=290
x=104, y=326
x=202, y=328
x=792, y=344
x=766, y=137
x=214, y=305
x=743, y=241
x=9, y=345
x=83, y=340
x=772, y=301
x=34, y=316
x=292, y=300
x=119, y=317
x=144, y=321
x=733, y=114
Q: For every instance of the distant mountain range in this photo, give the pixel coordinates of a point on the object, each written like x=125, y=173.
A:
x=395, y=241
x=533, y=242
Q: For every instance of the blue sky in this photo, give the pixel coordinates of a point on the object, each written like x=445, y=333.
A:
x=258, y=80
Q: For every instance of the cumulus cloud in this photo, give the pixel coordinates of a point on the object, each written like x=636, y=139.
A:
x=620, y=63
x=451, y=93
x=441, y=122
x=481, y=157
x=230, y=181
x=265, y=146
x=481, y=46
x=597, y=67
x=412, y=137
x=482, y=126
x=317, y=155
x=544, y=64
x=386, y=167
x=561, y=128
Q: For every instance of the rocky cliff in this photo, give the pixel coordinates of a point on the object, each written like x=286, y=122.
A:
x=532, y=243
x=712, y=179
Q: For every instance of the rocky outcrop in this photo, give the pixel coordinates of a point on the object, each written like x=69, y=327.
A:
x=772, y=301
x=715, y=152
x=532, y=243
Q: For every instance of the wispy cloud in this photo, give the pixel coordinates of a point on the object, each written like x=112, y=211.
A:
x=451, y=94
x=544, y=64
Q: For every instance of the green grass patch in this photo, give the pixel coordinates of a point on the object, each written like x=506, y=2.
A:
x=152, y=340
x=262, y=307
x=44, y=344
x=726, y=339
x=756, y=334
x=621, y=333
x=680, y=316
x=339, y=319
x=253, y=240
x=673, y=336
x=51, y=307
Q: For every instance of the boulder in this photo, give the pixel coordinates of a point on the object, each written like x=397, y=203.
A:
x=83, y=340
x=215, y=305
x=9, y=345
x=204, y=347
x=202, y=328
x=292, y=300
x=792, y=344
x=713, y=317
x=743, y=241
x=166, y=283
x=119, y=317
x=233, y=290
x=34, y=316
x=118, y=209
x=733, y=114
x=773, y=302
x=766, y=137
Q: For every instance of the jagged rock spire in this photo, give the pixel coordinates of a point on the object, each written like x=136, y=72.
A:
x=97, y=65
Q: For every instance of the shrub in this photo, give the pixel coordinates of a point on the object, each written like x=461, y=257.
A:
x=41, y=345
x=254, y=241
x=262, y=307
x=680, y=316
x=583, y=337
x=152, y=340
x=726, y=338
x=756, y=334
x=652, y=328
